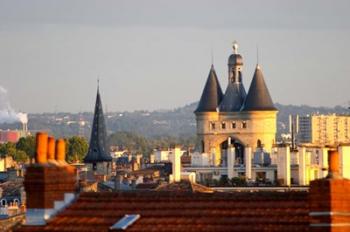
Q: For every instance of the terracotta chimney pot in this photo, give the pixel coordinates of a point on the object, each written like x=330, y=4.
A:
x=51, y=148
x=41, y=148
x=61, y=150
x=333, y=162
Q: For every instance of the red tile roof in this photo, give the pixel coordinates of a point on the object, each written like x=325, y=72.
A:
x=185, y=211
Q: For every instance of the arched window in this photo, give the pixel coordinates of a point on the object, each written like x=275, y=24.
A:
x=16, y=201
x=223, y=125
x=258, y=143
x=3, y=202
x=202, y=146
x=233, y=125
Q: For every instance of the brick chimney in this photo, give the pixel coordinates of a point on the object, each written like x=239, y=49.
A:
x=50, y=186
x=330, y=199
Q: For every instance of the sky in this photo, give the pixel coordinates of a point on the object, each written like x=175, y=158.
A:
x=156, y=54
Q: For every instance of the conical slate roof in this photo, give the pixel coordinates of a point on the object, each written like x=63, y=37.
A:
x=258, y=97
x=233, y=98
x=212, y=94
x=97, y=149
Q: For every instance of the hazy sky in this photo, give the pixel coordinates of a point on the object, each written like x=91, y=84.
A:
x=157, y=54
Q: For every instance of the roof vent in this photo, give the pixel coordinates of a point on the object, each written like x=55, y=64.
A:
x=126, y=221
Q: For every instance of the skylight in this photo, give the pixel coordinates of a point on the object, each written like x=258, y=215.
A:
x=126, y=221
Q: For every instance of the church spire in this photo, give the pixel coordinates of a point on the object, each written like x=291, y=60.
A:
x=98, y=151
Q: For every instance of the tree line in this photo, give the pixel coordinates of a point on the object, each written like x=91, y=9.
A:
x=77, y=147
x=136, y=143
x=24, y=150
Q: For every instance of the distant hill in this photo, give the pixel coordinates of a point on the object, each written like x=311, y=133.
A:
x=179, y=122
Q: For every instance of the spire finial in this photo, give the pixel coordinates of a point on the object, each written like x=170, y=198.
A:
x=235, y=47
x=212, y=57
x=98, y=83
x=257, y=56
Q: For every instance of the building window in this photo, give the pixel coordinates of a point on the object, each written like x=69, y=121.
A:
x=244, y=124
x=233, y=125
x=223, y=125
x=212, y=125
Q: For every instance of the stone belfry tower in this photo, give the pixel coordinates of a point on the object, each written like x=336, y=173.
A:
x=235, y=92
x=98, y=151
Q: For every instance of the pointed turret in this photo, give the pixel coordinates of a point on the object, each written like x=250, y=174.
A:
x=212, y=94
x=98, y=148
x=258, y=97
x=235, y=92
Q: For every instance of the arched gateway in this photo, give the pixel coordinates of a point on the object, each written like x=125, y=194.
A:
x=250, y=116
x=239, y=150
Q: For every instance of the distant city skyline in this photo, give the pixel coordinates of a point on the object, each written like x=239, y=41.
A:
x=157, y=54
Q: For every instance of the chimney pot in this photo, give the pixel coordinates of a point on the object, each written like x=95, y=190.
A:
x=51, y=148
x=333, y=164
x=41, y=147
x=60, y=150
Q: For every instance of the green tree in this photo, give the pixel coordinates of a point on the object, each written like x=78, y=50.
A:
x=7, y=149
x=223, y=182
x=77, y=148
x=20, y=156
x=27, y=145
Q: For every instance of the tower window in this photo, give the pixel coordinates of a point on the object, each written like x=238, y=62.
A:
x=233, y=125
x=223, y=125
x=212, y=125
x=244, y=124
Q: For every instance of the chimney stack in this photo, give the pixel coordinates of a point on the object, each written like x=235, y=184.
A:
x=330, y=200
x=50, y=186
x=176, y=164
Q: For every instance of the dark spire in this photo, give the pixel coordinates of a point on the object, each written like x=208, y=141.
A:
x=233, y=98
x=212, y=94
x=258, y=97
x=98, y=148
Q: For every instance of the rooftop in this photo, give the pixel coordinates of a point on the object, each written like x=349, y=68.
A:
x=184, y=211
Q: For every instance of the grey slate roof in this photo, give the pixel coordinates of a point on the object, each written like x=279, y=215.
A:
x=98, y=148
x=258, y=97
x=233, y=98
x=212, y=94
